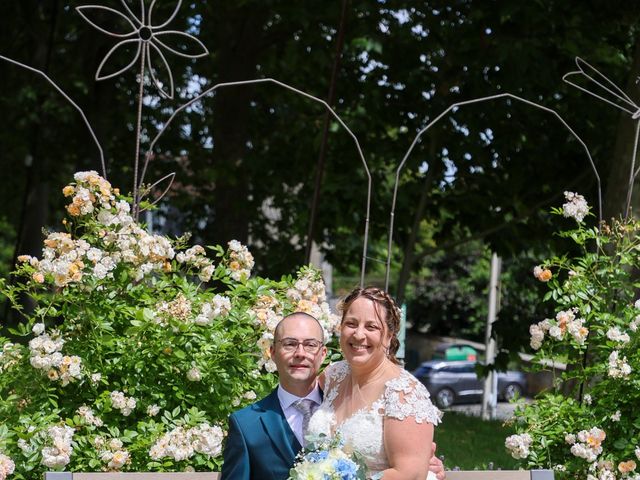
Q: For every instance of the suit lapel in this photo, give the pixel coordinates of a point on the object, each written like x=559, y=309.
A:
x=277, y=428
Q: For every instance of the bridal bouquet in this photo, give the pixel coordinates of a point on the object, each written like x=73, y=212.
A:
x=328, y=459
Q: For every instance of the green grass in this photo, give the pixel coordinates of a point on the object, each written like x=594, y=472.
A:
x=469, y=443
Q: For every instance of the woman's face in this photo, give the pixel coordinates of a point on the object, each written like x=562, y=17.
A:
x=364, y=338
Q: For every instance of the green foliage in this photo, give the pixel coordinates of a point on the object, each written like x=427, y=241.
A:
x=472, y=443
x=138, y=346
x=594, y=431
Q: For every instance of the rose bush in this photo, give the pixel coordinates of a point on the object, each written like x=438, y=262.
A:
x=594, y=432
x=137, y=347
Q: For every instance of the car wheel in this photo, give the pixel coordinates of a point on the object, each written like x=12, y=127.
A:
x=512, y=391
x=445, y=398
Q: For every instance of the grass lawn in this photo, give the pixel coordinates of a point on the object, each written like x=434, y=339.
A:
x=469, y=443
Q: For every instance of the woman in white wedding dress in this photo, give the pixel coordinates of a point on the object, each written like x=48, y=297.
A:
x=379, y=409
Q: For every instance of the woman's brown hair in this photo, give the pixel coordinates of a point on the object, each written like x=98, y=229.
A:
x=389, y=316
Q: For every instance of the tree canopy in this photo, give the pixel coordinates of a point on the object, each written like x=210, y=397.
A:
x=246, y=157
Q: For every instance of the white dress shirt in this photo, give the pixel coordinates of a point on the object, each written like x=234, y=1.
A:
x=291, y=413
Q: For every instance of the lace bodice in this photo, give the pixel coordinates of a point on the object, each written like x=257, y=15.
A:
x=404, y=396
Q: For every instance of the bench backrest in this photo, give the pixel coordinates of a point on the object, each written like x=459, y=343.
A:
x=451, y=475
x=132, y=476
x=500, y=475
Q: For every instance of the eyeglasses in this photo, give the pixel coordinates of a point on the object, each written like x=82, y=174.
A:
x=291, y=345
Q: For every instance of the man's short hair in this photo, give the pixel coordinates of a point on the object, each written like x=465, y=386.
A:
x=296, y=314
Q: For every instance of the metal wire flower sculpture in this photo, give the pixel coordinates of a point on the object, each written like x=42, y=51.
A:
x=600, y=87
x=149, y=39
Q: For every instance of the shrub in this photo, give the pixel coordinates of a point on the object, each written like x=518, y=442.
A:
x=138, y=347
x=594, y=431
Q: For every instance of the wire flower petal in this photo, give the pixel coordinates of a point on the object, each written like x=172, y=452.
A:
x=181, y=39
x=101, y=76
x=139, y=20
x=165, y=67
x=89, y=11
x=605, y=89
x=166, y=22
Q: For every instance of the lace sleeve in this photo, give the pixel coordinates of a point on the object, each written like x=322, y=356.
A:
x=334, y=374
x=406, y=397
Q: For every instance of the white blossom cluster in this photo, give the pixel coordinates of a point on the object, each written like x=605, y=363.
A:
x=194, y=374
x=266, y=312
x=63, y=258
x=88, y=416
x=587, y=444
x=250, y=395
x=90, y=191
x=218, y=307
x=153, y=410
x=576, y=206
x=125, y=404
x=7, y=466
x=618, y=367
x=565, y=322
x=58, y=453
x=45, y=354
x=308, y=295
x=112, y=453
x=179, y=309
x=196, y=256
x=518, y=445
x=181, y=444
x=240, y=261
x=10, y=355
x=121, y=240
x=264, y=345
x=605, y=470
x=616, y=335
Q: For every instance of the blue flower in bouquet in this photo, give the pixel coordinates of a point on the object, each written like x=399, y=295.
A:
x=328, y=459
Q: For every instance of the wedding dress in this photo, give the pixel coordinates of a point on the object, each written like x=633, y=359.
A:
x=403, y=396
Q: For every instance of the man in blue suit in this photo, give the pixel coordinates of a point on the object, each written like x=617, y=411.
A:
x=265, y=437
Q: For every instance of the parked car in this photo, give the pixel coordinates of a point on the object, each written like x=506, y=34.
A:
x=452, y=382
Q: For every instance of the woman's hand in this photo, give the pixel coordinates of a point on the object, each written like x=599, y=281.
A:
x=435, y=464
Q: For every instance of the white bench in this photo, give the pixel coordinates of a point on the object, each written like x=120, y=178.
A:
x=451, y=475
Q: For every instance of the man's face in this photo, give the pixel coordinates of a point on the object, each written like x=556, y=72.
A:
x=298, y=368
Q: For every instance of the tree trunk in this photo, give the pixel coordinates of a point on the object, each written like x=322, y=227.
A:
x=239, y=40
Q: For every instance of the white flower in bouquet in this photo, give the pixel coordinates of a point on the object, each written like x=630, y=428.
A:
x=7, y=467
x=330, y=459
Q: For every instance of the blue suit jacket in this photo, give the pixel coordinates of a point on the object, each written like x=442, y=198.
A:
x=260, y=444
